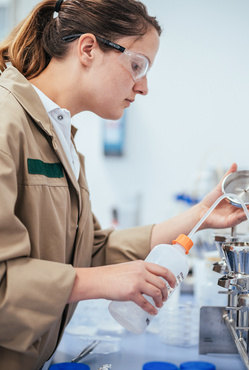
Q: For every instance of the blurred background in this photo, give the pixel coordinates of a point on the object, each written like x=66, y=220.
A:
x=173, y=145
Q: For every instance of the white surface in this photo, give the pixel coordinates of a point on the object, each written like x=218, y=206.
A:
x=125, y=350
x=139, y=349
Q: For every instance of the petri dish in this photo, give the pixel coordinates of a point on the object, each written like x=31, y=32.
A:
x=159, y=366
x=197, y=365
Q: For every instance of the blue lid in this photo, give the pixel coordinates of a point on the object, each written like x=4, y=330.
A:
x=159, y=366
x=197, y=365
x=69, y=366
x=187, y=199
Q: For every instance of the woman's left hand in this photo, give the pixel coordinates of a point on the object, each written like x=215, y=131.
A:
x=225, y=214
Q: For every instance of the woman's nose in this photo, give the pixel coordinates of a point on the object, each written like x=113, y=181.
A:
x=141, y=86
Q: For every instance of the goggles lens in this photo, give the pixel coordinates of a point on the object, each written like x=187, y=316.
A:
x=137, y=64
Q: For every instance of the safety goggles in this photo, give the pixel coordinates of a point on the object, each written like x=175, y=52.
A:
x=136, y=64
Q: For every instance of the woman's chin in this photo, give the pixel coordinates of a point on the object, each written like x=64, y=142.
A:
x=113, y=116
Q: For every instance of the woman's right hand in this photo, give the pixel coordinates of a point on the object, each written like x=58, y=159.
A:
x=124, y=282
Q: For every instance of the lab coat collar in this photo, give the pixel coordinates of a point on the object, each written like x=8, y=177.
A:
x=24, y=92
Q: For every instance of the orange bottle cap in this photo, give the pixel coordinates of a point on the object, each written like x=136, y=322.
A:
x=185, y=241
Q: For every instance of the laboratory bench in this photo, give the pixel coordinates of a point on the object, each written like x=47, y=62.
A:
x=125, y=350
x=135, y=350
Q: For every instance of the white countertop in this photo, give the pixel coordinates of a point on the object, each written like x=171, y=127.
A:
x=135, y=350
x=124, y=350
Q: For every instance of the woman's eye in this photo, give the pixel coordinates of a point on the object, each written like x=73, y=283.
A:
x=135, y=67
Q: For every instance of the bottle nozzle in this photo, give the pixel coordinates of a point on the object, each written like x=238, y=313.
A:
x=184, y=241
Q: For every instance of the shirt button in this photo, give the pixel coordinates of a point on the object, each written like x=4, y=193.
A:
x=60, y=117
x=55, y=145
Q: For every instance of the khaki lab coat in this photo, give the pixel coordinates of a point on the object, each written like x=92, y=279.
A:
x=46, y=228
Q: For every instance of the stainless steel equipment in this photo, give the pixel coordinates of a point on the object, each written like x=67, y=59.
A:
x=237, y=183
x=225, y=329
x=221, y=266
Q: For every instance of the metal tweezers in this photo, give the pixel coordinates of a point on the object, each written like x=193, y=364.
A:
x=86, y=351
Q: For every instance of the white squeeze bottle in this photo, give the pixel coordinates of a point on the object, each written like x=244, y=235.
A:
x=173, y=257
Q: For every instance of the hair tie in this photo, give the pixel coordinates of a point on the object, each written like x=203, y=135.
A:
x=58, y=6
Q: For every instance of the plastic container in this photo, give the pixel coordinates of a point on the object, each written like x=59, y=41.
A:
x=69, y=366
x=129, y=314
x=197, y=365
x=180, y=325
x=159, y=366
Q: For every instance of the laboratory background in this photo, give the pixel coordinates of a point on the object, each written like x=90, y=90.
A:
x=169, y=149
x=182, y=136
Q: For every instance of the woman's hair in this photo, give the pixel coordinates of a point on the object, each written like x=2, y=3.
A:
x=39, y=37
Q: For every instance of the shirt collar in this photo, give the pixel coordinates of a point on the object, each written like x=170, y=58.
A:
x=49, y=104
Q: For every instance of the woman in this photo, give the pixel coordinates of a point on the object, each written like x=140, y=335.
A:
x=64, y=58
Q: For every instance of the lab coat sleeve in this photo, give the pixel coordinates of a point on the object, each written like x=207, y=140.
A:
x=121, y=245
x=30, y=301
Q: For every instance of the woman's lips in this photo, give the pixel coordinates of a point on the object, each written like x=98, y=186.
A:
x=129, y=101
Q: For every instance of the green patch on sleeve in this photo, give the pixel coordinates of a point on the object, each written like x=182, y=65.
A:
x=37, y=167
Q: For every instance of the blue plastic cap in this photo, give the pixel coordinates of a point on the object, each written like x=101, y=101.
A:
x=197, y=365
x=69, y=366
x=159, y=366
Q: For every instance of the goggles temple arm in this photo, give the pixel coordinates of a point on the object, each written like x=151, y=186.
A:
x=106, y=42
x=112, y=44
x=71, y=37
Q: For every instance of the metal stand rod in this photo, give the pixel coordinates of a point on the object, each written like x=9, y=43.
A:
x=239, y=342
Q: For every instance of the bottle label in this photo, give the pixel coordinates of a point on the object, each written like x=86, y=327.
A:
x=179, y=278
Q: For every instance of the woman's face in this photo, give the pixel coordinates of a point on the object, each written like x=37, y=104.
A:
x=112, y=86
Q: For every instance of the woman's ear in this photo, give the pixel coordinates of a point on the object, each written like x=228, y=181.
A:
x=87, y=46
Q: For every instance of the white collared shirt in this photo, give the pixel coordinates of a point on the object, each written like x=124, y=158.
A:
x=61, y=120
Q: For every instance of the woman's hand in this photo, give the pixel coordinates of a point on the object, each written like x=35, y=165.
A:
x=124, y=282
x=224, y=215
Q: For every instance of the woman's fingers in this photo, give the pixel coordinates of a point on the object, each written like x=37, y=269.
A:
x=157, y=288
x=232, y=169
x=158, y=282
x=161, y=271
x=143, y=302
x=153, y=294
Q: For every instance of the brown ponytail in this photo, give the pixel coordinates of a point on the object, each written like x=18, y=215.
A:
x=24, y=46
x=38, y=38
